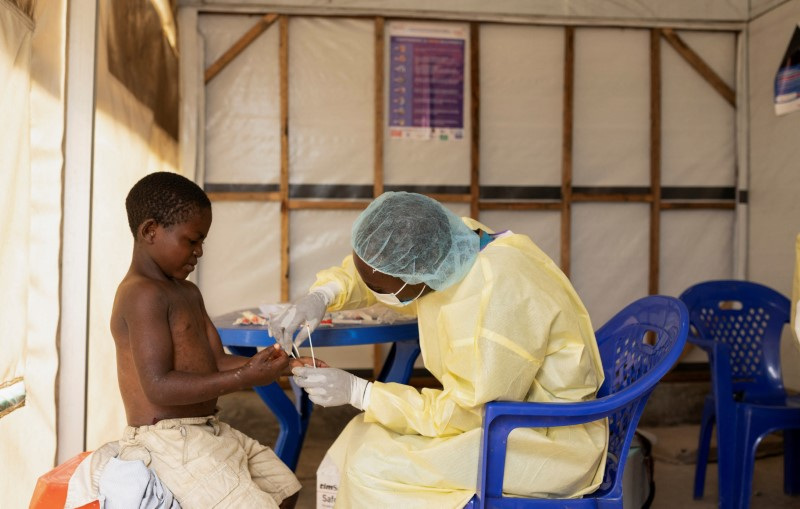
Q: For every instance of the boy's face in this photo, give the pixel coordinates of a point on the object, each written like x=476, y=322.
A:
x=177, y=248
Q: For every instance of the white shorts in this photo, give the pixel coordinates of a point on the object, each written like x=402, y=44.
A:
x=206, y=463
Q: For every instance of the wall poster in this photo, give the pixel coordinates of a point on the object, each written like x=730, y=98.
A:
x=787, y=79
x=426, y=81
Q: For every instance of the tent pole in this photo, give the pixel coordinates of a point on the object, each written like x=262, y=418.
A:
x=76, y=227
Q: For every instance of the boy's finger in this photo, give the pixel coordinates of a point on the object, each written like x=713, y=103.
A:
x=277, y=354
x=270, y=353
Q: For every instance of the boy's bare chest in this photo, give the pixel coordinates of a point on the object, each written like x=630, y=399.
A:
x=188, y=329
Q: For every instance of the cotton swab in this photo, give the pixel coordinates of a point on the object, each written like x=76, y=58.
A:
x=310, y=344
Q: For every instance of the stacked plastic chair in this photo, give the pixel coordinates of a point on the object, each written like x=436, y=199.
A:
x=638, y=347
x=739, y=324
x=51, y=488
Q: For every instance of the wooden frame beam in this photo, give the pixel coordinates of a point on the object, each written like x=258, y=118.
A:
x=325, y=203
x=475, y=118
x=520, y=205
x=655, y=161
x=566, y=149
x=377, y=188
x=239, y=46
x=243, y=196
x=699, y=65
x=284, y=176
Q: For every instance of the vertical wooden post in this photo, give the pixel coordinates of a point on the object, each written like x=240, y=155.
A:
x=284, y=178
x=475, y=118
x=377, y=186
x=655, y=158
x=566, y=148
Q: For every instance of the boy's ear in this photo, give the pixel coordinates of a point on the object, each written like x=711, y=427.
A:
x=147, y=230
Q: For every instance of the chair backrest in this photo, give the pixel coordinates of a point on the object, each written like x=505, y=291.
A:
x=638, y=346
x=749, y=318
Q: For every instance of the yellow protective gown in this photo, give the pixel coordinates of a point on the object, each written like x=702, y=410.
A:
x=513, y=329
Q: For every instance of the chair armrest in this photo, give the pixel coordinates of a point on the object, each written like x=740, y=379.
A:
x=545, y=415
x=501, y=417
x=532, y=415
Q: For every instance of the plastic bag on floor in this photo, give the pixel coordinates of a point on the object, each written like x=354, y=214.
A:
x=638, y=483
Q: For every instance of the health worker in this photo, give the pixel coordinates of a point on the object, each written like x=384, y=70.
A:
x=498, y=320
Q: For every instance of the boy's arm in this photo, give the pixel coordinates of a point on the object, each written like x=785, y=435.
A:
x=225, y=361
x=151, y=346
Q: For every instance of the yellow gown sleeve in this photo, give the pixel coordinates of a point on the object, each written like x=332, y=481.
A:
x=354, y=294
x=487, y=338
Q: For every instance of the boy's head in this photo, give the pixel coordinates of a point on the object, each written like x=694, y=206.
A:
x=165, y=197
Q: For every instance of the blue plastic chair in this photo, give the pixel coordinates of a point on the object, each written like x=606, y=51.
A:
x=638, y=347
x=739, y=324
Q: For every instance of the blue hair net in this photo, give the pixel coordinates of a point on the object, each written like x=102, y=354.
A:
x=416, y=239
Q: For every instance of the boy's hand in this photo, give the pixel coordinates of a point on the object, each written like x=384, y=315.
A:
x=304, y=362
x=266, y=366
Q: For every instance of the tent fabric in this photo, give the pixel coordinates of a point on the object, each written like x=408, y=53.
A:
x=25, y=7
x=521, y=105
x=242, y=105
x=129, y=143
x=32, y=76
x=15, y=62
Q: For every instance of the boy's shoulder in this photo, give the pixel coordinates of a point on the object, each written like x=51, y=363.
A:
x=135, y=284
x=138, y=293
x=136, y=289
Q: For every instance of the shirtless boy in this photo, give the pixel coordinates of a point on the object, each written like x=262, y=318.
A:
x=171, y=365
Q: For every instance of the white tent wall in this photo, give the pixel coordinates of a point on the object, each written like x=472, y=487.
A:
x=332, y=149
x=128, y=144
x=32, y=162
x=15, y=72
x=774, y=219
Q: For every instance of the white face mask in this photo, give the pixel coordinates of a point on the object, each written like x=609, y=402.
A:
x=390, y=299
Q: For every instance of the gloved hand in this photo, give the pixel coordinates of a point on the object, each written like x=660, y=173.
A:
x=309, y=308
x=333, y=386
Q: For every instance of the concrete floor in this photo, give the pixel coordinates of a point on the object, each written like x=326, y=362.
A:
x=673, y=449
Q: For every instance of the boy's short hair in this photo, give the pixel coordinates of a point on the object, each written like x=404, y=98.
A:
x=166, y=197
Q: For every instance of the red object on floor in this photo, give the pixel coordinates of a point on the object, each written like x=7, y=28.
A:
x=51, y=488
